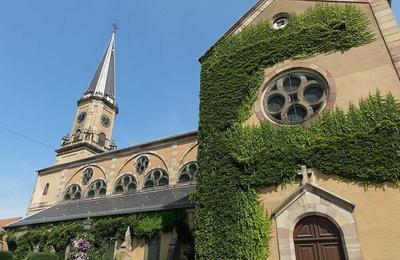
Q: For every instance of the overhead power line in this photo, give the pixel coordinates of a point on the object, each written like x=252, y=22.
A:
x=26, y=137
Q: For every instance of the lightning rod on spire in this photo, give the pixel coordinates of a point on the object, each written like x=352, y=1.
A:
x=115, y=26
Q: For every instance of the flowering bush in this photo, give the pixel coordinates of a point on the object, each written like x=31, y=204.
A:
x=80, y=247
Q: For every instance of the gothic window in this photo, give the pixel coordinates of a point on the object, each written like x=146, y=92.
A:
x=73, y=192
x=46, y=189
x=126, y=184
x=188, y=172
x=155, y=178
x=295, y=96
x=87, y=175
x=102, y=139
x=153, y=248
x=96, y=189
x=77, y=136
x=142, y=163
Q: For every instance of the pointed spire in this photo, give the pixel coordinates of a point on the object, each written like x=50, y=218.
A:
x=103, y=81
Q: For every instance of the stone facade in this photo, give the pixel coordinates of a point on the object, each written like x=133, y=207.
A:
x=366, y=216
x=169, y=154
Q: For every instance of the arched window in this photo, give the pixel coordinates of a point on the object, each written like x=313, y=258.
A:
x=87, y=175
x=96, y=189
x=125, y=184
x=73, y=192
x=153, y=248
x=141, y=164
x=316, y=238
x=46, y=189
x=77, y=135
x=188, y=172
x=157, y=177
x=102, y=139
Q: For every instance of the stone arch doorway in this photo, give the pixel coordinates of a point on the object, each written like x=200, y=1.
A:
x=317, y=238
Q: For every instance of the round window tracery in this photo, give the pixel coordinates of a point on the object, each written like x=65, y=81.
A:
x=295, y=96
x=157, y=177
x=126, y=184
x=87, y=175
x=96, y=189
x=142, y=163
x=73, y=192
x=188, y=172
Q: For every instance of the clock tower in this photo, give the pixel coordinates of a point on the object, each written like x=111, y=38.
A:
x=93, y=124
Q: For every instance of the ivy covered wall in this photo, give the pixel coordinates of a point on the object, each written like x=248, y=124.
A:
x=230, y=223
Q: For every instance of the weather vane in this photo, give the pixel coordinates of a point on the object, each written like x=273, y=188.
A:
x=115, y=26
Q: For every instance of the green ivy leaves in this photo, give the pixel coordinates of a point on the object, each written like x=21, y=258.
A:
x=235, y=161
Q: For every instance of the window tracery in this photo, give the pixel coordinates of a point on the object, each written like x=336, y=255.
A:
x=142, y=163
x=155, y=178
x=87, y=175
x=73, y=192
x=295, y=96
x=188, y=172
x=96, y=189
x=126, y=184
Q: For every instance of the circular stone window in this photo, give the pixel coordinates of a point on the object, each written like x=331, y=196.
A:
x=280, y=21
x=294, y=96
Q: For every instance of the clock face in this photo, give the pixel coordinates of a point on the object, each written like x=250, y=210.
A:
x=105, y=121
x=81, y=117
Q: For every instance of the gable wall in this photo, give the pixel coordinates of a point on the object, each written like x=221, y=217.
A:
x=376, y=213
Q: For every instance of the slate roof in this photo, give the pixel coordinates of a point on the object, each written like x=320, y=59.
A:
x=146, y=201
x=103, y=80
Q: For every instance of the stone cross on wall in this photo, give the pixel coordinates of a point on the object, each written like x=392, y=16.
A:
x=307, y=174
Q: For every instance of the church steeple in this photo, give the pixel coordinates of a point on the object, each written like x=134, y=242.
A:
x=103, y=81
x=92, y=129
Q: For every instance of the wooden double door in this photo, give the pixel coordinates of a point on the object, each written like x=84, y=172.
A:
x=317, y=238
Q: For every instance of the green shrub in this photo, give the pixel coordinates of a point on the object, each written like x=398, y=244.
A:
x=59, y=235
x=42, y=256
x=6, y=255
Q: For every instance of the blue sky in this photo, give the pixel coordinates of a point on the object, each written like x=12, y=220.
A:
x=50, y=50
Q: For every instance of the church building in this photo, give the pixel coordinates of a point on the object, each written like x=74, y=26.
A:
x=266, y=78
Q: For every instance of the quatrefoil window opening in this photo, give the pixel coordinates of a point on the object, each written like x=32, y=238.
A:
x=73, y=192
x=96, y=189
x=126, y=184
x=295, y=96
x=188, y=172
x=87, y=175
x=157, y=177
x=142, y=163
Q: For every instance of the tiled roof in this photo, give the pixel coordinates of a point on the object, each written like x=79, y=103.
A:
x=4, y=222
x=146, y=201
